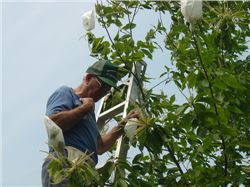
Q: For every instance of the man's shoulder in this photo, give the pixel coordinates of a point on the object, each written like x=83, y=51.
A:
x=62, y=99
x=64, y=89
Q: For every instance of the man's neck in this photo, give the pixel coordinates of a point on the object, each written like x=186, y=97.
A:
x=80, y=91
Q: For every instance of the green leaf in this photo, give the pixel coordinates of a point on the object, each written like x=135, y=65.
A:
x=181, y=109
x=137, y=158
x=246, y=169
x=205, y=83
x=129, y=26
x=122, y=183
x=232, y=81
x=172, y=99
x=117, y=22
x=93, y=173
x=97, y=42
x=150, y=35
x=200, y=149
x=125, y=36
x=55, y=169
x=177, y=83
x=138, y=56
x=119, y=47
x=148, y=53
x=245, y=143
x=116, y=38
x=235, y=109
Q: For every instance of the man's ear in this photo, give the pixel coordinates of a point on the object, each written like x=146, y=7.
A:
x=88, y=77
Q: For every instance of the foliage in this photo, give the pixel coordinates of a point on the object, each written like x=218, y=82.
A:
x=76, y=172
x=205, y=140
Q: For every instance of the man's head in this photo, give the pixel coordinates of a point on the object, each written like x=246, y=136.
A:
x=100, y=77
x=105, y=71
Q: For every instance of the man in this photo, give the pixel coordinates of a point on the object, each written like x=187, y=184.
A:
x=73, y=111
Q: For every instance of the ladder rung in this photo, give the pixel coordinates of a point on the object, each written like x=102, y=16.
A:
x=111, y=112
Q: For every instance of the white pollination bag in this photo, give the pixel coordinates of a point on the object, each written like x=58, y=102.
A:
x=88, y=20
x=130, y=128
x=191, y=10
x=55, y=135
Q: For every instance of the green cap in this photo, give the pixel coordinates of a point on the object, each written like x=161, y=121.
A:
x=106, y=71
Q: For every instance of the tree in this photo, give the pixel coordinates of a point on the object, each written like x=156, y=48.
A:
x=205, y=140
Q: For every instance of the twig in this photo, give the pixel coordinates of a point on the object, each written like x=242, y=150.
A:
x=131, y=21
x=165, y=80
x=174, y=159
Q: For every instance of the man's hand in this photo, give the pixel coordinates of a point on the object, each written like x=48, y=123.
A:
x=135, y=113
x=88, y=103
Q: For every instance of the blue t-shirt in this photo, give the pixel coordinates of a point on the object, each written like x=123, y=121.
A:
x=83, y=135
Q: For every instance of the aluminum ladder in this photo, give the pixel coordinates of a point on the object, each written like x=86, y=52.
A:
x=132, y=94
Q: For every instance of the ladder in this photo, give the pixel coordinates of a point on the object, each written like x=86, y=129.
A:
x=132, y=94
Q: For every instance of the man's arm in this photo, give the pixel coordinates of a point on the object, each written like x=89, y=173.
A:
x=67, y=119
x=106, y=141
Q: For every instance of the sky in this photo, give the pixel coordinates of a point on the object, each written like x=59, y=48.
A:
x=41, y=51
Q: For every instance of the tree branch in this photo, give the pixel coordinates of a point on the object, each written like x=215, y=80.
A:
x=174, y=159
x=215, y=107
x=165, y=80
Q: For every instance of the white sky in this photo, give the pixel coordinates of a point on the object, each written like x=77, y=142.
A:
x=42, y=51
